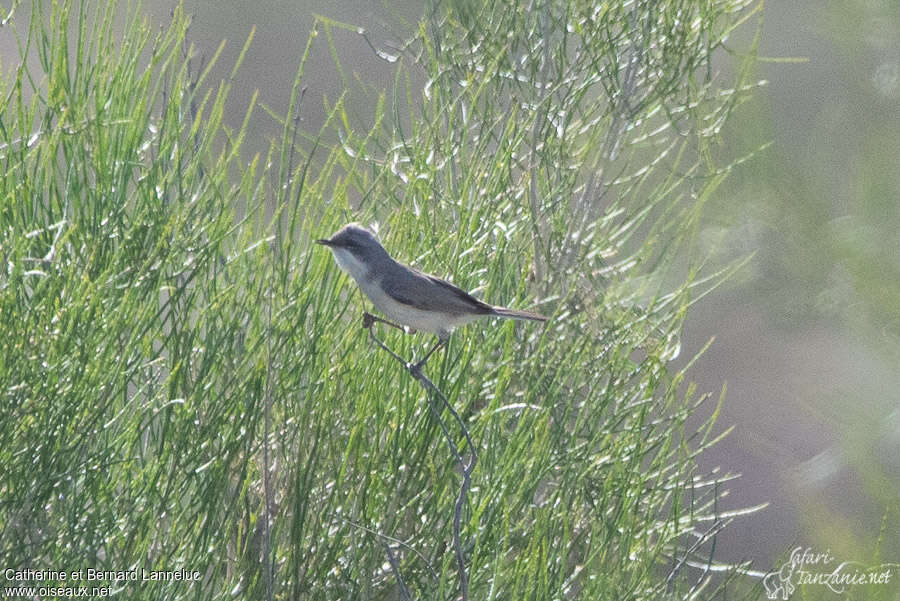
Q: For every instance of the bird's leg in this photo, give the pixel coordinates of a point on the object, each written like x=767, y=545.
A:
x=369, y=319
x=442, y=340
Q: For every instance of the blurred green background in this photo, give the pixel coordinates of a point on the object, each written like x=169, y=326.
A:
x=807, y=335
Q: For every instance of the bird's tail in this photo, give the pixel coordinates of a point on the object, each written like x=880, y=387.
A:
x=516, y=314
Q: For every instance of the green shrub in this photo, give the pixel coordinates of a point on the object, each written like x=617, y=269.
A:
x=186, y=385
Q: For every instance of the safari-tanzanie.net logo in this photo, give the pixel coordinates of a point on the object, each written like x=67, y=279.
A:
x=807, y=567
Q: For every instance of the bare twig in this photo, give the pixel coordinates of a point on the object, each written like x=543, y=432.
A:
x=395, y=541
x=415, y=370
x=404, y=592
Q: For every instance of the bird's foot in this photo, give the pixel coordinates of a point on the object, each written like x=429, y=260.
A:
x=369, y=320
x=415, y=369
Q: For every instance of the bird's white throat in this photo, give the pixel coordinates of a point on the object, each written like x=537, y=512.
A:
x=347, y=261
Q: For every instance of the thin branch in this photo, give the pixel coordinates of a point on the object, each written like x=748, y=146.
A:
x=396, y=541
x=415, y=370
x=396, y=570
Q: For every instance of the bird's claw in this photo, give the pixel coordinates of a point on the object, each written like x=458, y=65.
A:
x=369, y=320
x=415, y=369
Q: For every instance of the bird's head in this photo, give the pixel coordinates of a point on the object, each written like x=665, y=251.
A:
x=354, y=238
x=356, y=249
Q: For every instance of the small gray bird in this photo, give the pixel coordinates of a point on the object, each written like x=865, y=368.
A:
x=405, y=295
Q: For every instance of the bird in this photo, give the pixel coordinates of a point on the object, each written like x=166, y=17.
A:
x=405, y=295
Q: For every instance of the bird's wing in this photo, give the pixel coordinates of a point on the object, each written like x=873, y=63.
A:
x=430, y=293
x=460, y=296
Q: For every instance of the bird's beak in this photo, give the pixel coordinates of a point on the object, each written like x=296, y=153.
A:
x=325, y=241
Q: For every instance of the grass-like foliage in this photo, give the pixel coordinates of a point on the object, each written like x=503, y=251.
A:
x=185, y=383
